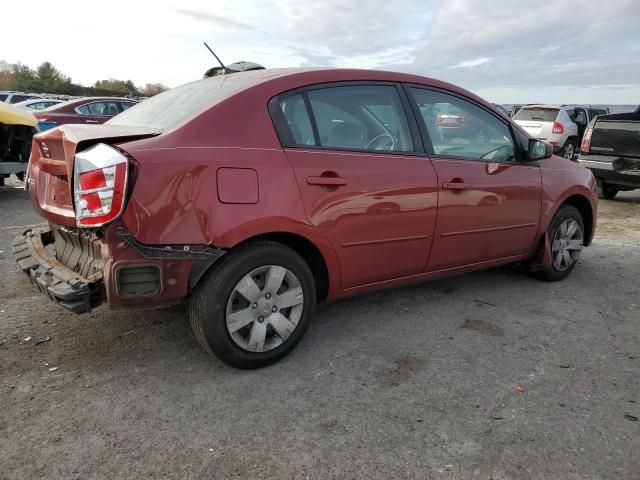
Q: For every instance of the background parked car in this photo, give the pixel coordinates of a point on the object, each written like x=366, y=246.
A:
x=611, y=150
x=38, y=103
x=92, y=110
x=17, y=128
x=9, y=96
x=561, y=125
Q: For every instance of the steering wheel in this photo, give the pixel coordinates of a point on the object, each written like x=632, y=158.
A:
x=385, y=141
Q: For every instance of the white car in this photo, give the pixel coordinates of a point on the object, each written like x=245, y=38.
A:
x=11, y=96
x=38, y=103
x=561, y=125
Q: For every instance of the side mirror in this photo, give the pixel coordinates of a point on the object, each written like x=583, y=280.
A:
x=539, y=150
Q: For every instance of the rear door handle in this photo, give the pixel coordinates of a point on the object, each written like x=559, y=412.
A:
x=91, y=121
x=328, y=181
x=455, y=186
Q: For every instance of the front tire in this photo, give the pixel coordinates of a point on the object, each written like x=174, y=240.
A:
x=566, y=238
x=254, y=306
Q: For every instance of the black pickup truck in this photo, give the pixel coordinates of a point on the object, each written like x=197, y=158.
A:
x=611, y=150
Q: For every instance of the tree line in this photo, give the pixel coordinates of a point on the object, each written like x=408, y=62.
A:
x=48, y=79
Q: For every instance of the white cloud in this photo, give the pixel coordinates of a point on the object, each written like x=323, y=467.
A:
x=471, y=63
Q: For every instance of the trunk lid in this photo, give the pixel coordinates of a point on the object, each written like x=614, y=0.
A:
x=50, y=173
x=617, y=134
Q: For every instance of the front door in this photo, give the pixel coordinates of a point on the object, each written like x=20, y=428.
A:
x=360, y=181
x=489, y=199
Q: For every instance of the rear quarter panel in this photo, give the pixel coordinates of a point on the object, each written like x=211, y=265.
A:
x=175, y=199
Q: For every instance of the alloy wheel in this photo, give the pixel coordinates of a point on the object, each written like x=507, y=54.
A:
x=264, y=308
x=569, y=151
x=567, y=245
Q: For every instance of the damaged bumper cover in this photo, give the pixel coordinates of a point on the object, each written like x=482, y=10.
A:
x=61, y=284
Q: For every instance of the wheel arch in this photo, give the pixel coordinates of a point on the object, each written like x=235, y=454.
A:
x=315, y=250
x=309, y=252
x=582, y=204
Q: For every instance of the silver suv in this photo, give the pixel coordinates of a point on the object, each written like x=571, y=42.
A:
x=561, y=125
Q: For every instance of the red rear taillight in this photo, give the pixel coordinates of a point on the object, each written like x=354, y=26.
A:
x=100, y=182
x=557, y=128
x=586, y=140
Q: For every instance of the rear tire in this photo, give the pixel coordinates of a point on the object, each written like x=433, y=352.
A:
x=239, y=309
x=607, y=191
x=569, y=149
x=566, y=237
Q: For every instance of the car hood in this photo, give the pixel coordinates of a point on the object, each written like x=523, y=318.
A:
x=10, y=115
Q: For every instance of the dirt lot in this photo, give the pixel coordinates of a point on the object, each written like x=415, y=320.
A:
x=418, y=382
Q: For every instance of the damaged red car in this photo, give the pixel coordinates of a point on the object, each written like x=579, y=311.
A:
x=252, y=196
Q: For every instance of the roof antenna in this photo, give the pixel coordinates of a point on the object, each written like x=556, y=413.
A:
x=224, y=69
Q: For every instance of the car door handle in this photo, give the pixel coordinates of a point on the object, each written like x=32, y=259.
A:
x=455, y=186
x=91, y=121
x=328, y=181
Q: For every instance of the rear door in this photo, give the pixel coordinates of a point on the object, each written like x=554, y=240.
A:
x=489, y=201
x=363, y=180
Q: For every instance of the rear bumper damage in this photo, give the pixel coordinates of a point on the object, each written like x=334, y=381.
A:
x=61, y=284
x=86, y=268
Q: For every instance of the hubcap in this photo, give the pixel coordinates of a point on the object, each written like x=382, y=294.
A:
x=568, y=153
x=567, y=244
x=264, y=308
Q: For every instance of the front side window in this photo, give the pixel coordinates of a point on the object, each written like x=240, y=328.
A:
x=361, y=117
x=458, y=128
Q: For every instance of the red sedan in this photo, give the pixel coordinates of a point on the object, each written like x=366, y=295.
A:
x=90, y=110
x=254, y=195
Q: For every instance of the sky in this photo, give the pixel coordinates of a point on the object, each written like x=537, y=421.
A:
x=561, y=51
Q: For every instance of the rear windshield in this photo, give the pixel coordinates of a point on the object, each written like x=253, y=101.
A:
x=172, y=107
x=535, y=113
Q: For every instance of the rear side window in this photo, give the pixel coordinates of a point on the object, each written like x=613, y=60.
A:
x=3, y=97
x=295, y=113
x=361, y=117
x=535, y=113
x=458, y=128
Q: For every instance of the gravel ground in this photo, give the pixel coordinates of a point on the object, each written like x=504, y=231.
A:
x=490, y=375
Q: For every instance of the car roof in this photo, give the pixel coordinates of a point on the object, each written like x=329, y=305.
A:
x=292, y=78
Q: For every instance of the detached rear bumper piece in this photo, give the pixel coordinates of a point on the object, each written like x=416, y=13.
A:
x=61, y=284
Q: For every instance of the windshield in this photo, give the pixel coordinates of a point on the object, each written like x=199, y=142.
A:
x=172, y=107
x=537, y=113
